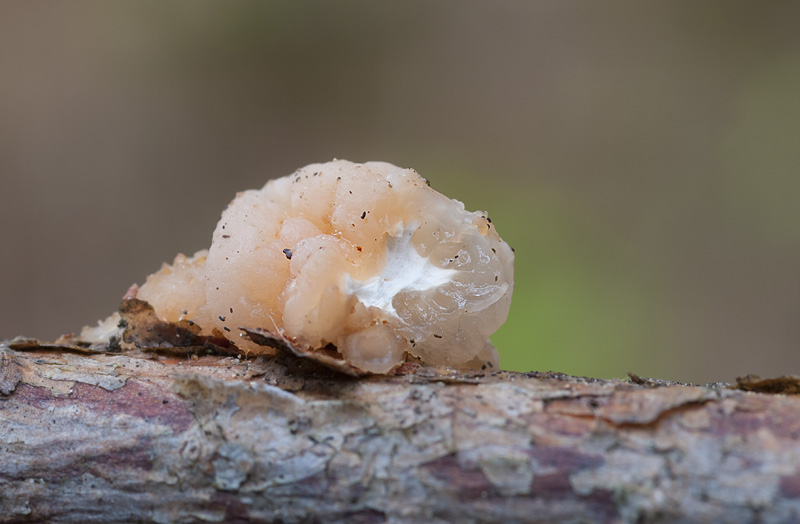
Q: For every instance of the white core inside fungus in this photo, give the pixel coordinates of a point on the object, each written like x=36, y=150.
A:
x=366, y=257
x=404, y=270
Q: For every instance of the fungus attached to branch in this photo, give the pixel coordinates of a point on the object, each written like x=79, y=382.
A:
x=421, y=276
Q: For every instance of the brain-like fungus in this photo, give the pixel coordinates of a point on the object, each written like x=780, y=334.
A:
x=365, y=257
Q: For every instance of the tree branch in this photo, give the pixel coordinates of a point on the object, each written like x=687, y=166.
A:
x=135, y=437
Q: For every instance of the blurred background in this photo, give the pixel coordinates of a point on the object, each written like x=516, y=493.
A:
x=643, y=158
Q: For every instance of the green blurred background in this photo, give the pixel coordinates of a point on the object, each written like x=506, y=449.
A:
x=642, y=157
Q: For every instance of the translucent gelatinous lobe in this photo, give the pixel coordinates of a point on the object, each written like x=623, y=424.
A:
x=363, y=256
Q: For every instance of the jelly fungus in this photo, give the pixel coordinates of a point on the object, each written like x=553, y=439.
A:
x=365, y=257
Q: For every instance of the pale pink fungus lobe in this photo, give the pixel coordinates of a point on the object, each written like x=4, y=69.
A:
x=366, y=257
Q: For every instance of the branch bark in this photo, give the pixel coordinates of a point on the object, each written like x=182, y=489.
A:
x=134, y=437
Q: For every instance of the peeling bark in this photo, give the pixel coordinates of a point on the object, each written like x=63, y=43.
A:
x=134, y=437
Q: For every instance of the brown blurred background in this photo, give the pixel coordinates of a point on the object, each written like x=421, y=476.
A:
x=642, y=157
